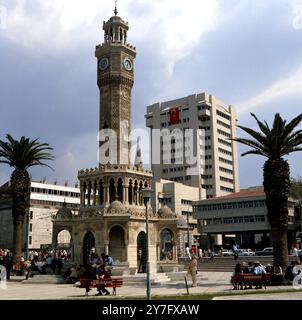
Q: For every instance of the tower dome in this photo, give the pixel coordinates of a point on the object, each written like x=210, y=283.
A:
x=165, y=212
x=116, y=207
x=64, y=212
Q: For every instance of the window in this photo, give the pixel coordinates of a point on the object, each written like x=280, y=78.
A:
x=226, y=189
x=217, y=221
x=223, y=133
x=226, y=180
x=31, y=214
x=249, y=219
x=222, y=169
x=223, y=115
x=223, y=124
x=225, y=161
x=29, y=240
x=259, y=218
x=228, y=220
x=221, y=150
x=226, y=143
x=238, y=220
x=30, y=227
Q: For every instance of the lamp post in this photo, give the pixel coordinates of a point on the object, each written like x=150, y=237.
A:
x=188, y=229
x=146, y=192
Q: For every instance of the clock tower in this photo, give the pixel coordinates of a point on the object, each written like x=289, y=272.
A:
x=115, y=77
x=112, y=214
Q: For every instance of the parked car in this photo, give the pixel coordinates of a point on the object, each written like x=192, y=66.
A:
x=245, y=252
x=227, y=253
x=265, y=252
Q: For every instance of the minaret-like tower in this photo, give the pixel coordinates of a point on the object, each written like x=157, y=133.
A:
x=115, y=77
x=118, y=179
x=112, y=215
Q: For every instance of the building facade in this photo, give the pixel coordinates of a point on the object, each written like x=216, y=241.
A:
x=179, y=198
x=213, y=124
x=45, y=200
x=240, y=218
x=112, y=215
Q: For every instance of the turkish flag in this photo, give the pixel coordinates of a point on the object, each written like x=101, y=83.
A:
x=174, y=115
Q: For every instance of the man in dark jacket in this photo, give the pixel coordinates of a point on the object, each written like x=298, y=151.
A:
x=88, y=274
x=8, y=263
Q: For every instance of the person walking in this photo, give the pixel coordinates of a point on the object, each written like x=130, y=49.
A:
x=295, y=253
x=188, y=252
x=193, y=269
x=8, y=263
x=200, y=253
x=234, y=249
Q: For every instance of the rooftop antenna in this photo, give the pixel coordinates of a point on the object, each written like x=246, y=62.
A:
x=115, y=9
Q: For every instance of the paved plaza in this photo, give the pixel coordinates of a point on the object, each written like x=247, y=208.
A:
x=209, y=283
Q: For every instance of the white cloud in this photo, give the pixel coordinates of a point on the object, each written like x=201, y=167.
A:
x=173, y=29
x=288, y=87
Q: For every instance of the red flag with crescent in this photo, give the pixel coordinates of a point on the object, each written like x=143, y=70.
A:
x=174, y=115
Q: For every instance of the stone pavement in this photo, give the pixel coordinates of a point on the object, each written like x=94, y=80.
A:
x=213, y=282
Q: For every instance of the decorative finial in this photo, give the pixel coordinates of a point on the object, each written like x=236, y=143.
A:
x=115, y=10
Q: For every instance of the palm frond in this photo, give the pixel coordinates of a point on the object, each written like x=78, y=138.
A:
x=24, y=153
x=274, y=142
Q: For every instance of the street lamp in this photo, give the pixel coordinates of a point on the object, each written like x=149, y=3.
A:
x=147, y=192
x=188, y=229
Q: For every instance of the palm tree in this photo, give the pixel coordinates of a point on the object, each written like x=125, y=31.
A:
x=22, y=155
x=274, y=143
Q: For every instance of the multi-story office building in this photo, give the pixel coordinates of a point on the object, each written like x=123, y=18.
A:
x=242, y=218
x=213, y=125
x=45, y=200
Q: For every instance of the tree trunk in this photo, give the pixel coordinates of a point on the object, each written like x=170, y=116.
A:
x=276, y=186
x=279, y=241
x=21, y=194
x=18, y=239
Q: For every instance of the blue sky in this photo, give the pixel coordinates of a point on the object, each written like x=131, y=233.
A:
x=247, y=53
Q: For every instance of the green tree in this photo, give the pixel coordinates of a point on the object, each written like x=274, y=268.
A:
x=274, y=143
x=296, y=188
x=21, y=155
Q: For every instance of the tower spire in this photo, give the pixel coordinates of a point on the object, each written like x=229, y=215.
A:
x=115, y=9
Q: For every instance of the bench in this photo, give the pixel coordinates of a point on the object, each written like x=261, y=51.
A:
x=107, y=283
x=250, y=279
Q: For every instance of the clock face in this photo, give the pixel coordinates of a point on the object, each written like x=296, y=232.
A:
x=128, y=64
x=103, y=63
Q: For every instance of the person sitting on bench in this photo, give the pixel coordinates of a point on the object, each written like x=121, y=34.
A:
x=89, y=275
x=102, y=274
x=259, y=270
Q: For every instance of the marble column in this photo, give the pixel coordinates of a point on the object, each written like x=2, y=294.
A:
x=106, y=194
x=106, y=247
x=94, y=194
x=158, y=251
x=126, y=194
x=89, y=195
